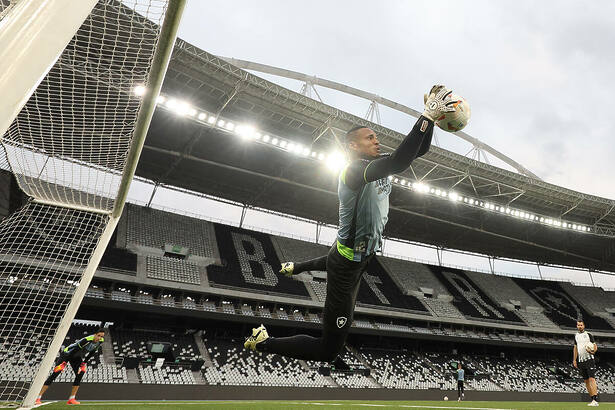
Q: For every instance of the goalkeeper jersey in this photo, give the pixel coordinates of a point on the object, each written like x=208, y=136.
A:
x=83, y=348
x=363, y=215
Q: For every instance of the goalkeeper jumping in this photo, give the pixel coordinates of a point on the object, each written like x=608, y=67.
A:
x=363, y=191
x=77, y=355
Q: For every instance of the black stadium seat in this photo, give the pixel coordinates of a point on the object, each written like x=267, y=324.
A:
x=560, y=307
x=469, y=298
x=250, y=262
x=377, y=288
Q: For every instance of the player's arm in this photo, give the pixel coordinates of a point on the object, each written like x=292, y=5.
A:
x=594, y=347
x=575, y=354
x=416, y=143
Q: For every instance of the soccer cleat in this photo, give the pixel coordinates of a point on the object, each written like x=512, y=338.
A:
x=594, y=403
x=259, y=335
x=73, y=401
x=38, y=401
x=287, y=268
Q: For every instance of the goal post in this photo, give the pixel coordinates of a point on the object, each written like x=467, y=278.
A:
x=33, y=35
x=73, y=147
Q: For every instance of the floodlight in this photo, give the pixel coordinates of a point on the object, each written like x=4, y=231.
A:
x=161, y=99
x=139, y=90
x=336, y=161
x=202, y=116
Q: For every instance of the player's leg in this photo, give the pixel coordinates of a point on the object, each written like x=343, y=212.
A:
x=58, y=366
x=593, y=389
x=462, y=390
x=343, y=279
x=295, y=268
x=75, y=364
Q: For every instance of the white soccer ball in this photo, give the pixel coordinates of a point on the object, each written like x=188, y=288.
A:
x=455, y=120
x=445, y=398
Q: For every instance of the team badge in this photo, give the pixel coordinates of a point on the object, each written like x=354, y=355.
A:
x=341, y=322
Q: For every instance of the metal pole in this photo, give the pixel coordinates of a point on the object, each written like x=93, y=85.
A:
x=157, y=72
x=168, y=34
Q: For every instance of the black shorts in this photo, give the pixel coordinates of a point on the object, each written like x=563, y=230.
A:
x=587, y=368
x=343, y=281
x=460, y=384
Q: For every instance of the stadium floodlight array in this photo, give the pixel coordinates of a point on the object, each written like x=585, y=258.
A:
x=71, y=132
x=336, y=160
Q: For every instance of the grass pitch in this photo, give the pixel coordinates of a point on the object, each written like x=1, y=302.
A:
x=334, y=405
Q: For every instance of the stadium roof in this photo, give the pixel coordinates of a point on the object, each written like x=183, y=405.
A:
x=196, y=155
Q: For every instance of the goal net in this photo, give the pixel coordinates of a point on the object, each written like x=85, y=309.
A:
x=68, y=150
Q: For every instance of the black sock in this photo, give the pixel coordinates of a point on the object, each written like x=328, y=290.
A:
x=595, y=397
x=317, y=264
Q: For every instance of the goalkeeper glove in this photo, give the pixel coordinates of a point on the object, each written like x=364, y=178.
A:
x=437, y=103
x=59, y=367
x=81, y=368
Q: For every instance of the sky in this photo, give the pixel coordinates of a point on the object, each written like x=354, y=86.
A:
x=537, y=76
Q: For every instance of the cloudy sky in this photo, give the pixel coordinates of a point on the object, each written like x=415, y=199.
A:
x=538, y=75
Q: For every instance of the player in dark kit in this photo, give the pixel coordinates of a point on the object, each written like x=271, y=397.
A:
x=583, y=359
x=363, y=191
x=77, y=355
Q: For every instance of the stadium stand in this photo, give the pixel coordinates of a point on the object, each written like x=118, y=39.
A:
x=504, y=291
x=469, y=298
x=250, y=262
x=232, y=365
x=378, y=289
x=412, y=276
x=154, y=228
x=560, y=307
x=174, y=270
x=594, y=299
x=133, y=343
x=165, y=375
x=295, y=250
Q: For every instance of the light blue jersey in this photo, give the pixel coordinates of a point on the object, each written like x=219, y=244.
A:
x=460, y=375
x=363, y=215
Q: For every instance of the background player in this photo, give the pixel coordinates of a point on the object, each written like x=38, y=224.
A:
x=363, y=191
x=77, y=355
x=584, y=349
x=460, y=379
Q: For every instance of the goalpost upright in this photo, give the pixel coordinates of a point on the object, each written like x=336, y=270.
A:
x=53, y=245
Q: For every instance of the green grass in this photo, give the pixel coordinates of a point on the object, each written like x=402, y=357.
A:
x=355, y=405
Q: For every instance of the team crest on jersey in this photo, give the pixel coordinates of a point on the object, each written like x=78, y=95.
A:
x=383, y=186
x=341, y=322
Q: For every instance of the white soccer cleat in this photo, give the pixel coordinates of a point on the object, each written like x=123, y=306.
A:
x=594, y=403
x=287, y=268
x=259, y=335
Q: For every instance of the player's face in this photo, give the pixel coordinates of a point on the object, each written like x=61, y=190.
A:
x=98, y=336
x=580, y=326
x=366, y=143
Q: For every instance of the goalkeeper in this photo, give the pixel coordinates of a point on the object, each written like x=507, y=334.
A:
x=363, y=191
x=77, y=354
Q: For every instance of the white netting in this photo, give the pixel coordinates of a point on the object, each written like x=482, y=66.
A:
x=68, y=146
x=69, y=143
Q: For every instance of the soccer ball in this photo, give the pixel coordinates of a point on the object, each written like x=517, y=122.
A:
x=455, y=120
x=445, y=398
